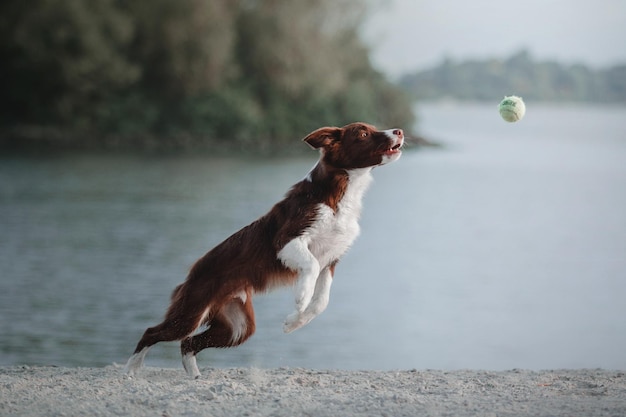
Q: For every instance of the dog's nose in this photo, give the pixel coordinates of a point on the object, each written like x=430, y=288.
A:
x=398, y=133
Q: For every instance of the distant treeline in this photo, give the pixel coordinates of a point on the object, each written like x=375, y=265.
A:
x=520, y=75
x=249, y=73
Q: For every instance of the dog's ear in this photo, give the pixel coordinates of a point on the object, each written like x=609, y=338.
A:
x=323, y=137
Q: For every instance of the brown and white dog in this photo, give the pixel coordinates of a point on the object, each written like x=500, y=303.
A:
x=298, y=242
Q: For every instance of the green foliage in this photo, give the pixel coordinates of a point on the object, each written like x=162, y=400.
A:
x=228, y=113
x=242, y=71
x=519, y=75
x=61, y=60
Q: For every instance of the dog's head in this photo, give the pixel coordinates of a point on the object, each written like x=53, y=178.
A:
x=357, y=145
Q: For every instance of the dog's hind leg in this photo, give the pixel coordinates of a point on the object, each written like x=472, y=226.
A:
x=177, y=325
x=232, y=325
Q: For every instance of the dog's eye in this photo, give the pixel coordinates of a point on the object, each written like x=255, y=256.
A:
x=364, y=134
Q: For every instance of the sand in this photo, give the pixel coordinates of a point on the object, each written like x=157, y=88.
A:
x=53, y=391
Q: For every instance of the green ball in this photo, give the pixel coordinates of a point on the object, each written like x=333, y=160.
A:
x=512, y=108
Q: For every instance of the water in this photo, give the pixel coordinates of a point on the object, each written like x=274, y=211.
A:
x=504, y=250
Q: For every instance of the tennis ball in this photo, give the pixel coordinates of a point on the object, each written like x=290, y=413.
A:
x=512, y=108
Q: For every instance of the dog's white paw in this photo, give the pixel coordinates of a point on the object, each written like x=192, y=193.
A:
x=191, y=366
x=303, y=299
x=293, y=322
x=135, y=362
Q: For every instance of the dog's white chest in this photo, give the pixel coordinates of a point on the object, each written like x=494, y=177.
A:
x=333, y=232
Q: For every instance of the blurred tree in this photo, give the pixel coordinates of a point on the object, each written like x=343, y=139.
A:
x=308, y=55
x=519, y=74
x=61, y=59
x=185, y=47
x=242, y=70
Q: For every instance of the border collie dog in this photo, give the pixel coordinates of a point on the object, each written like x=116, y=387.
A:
x=298, y=242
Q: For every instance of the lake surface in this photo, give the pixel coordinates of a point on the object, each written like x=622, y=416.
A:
x=505, y=249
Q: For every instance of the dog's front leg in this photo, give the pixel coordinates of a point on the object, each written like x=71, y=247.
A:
x=318, y=303
x=296, y=255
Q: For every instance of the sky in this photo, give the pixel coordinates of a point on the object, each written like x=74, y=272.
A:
x=410, y=35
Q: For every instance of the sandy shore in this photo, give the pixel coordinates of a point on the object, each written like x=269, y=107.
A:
x=52, y=391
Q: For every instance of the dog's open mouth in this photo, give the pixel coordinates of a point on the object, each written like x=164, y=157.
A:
x=393, y=150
